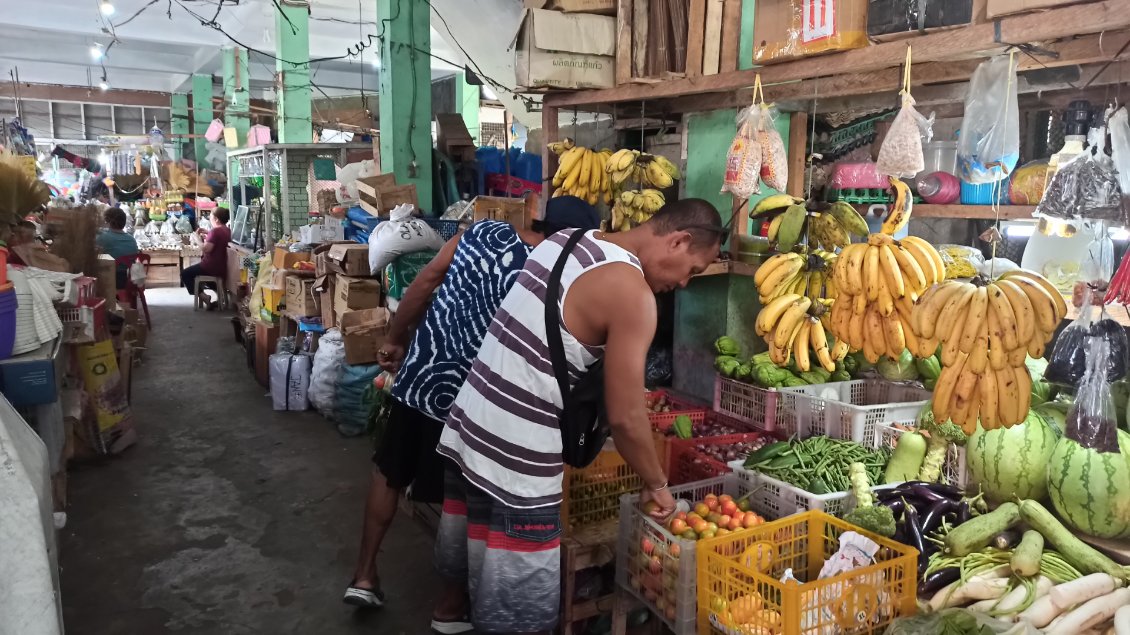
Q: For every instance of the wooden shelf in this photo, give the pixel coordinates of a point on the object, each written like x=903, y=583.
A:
x=978, y=212
x=725, y=267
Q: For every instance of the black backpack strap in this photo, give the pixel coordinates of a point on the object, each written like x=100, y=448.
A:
x=552, y=316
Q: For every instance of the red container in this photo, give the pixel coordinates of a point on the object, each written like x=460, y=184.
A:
x=686, y=464
x=679, y=405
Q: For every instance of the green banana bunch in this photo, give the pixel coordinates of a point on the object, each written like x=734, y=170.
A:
x=635, y=206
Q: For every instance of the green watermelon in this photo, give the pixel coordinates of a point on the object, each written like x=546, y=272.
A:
x=1091, y=490
x=1011, y=462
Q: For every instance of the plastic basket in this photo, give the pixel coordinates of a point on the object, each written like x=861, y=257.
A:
x=687, y=464
x=744, y=402
x=446, y=228
x=847, y=409
x=953, y=469
x=84, y=323
x=679, y=406
x=670, y=592
x=591, y=494
x=780, y=499
x=862, y=600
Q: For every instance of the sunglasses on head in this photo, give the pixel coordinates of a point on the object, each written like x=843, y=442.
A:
x=723, y=230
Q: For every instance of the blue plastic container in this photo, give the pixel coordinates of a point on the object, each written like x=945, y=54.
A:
x=982, y=193
x=8, y=304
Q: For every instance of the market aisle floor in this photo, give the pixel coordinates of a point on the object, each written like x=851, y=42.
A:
x=226, y=518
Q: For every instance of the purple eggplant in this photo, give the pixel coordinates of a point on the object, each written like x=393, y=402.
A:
x=938, y=580
x=933, y=517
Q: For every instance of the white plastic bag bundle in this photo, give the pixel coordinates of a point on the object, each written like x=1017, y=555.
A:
x=290, y=379
x=347, y=178
x=989, y=146
x=137, y=274
x=183, y=225
x=329, y=361
x=401, y=234
x=1119, y=125
x=901, y=155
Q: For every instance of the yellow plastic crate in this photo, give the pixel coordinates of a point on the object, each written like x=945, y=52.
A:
x=864, y=600
x=591, y=494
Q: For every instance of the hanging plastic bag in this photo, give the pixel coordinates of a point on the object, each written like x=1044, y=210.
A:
x=137, y=274
x=1086, y=187
x=743, y=161
x=989, y=146
x=901, y=155
x=1119, y=124
x=183, y=225
x=1092, y=420
x=1069, y=360
x=774, y=157
x=1098, y=263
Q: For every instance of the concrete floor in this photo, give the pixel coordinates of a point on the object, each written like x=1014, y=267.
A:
x=226, y=517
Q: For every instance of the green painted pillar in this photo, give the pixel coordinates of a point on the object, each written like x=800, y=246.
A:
x=292, y=32
x=237, y=92
x=202, y=112
x=406, y=95
x=178, y=116
x=467, y=105
x=745, y=44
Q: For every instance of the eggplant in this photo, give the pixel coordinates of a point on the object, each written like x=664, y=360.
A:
x=896, y=505
x=933, y=517
x=924, y=492
x=1006, y=539
x=913, y=530
x=938, y=580
x=964, y=513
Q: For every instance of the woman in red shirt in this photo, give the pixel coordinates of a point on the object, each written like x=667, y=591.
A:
x=215, y=260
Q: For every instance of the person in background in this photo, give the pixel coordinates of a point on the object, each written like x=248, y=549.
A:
x=469, y=276
x=500, y=531
x=115, y=242
x=215, y=259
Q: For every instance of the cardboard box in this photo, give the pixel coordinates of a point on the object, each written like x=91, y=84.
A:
x=162, y=276
x=452, y=137
x=565, y=50
x=324, y=287
x=787, y=29
x=507, y=210
x=286, y=259
x=351, y=259
x=266, y=338
x=321, y=256
x=896, y=19
x=33, y=378
x=330, y=231
x=300, y=297
x=383, y=202
x=996, y=8
x=363, y=333
x=605, y=7
x=355, y=294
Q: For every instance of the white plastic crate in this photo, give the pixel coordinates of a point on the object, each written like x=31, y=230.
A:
x=954, y=471
x=670, y=593
x=747, y=403
x=848, y=409
x=779, y=499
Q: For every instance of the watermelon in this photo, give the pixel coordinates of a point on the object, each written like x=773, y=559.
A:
x=1091, y=490
x=1011, y=462
x=1054, y=414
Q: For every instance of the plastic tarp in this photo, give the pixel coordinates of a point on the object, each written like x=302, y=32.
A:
x=29, y=584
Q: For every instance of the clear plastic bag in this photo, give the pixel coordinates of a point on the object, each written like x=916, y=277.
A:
x=1085, y=187
x=743, y=161
x=1071, y=356
x=774, y=157
x=1119, y=124
x=989, y=146
x=1098, y=264
x=957, y=620
x=1092, y=420
x=901, y=155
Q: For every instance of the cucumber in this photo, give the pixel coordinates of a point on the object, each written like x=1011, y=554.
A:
x=906, y=460
x=1025, y=560
x=1077, y=553
x=766, y=452
x=975, y=533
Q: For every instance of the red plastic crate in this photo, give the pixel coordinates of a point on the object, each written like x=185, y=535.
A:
x=686, y=464
x=679, y=406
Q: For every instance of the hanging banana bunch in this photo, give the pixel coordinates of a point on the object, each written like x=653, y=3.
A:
x=581, y=173
x=635, y=206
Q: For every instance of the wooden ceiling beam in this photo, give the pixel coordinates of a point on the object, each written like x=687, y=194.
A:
x=84, y=94
x=944, y=46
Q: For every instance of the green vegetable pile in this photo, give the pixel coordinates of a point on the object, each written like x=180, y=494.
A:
x=761, y=371
x=949, y=622
x=819, y=464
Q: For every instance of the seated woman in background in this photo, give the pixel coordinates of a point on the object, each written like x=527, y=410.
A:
x=116, y=242
x=215, y=260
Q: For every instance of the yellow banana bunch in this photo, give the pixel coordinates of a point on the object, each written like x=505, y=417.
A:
x=581, y=173
x=986, y=332
x=899, y=215
x=793, y=333
x=792, y=273
x=877, y=284
x=635, y=206
x=621, y=165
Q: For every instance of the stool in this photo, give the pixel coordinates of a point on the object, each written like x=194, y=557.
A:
x=221, y=293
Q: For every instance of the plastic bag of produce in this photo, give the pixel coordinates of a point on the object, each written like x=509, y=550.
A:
x=328, y=363
x=1119, y=124
x=774, y=158
x=351, y=409
x=900, y=155
x=1092, y=420
x=989, y=146
x=1085, y=187
x=957, y=621
x=1026, y=187
x=960, y=261
x=743, y=161
x=1069, y=360
x=401, y=234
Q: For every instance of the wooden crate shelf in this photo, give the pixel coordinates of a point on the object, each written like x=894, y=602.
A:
x=973, y=212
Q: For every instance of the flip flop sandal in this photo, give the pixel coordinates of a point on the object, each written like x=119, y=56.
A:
x=453, y=627
x=364, y=598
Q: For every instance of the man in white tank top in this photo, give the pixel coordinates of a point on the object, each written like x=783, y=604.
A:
x=501, y=524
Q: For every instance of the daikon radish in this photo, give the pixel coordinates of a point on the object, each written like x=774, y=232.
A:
x=1093, y=612
x=1082, y=589
x=1122, y=621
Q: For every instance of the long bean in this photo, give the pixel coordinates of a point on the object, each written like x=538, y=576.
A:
x=825, y=460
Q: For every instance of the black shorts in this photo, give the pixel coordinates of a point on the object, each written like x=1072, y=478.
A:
x=407, y=454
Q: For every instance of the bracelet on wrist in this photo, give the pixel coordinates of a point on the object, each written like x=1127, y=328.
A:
x=661, y=487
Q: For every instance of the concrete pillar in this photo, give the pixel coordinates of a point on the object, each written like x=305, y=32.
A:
x=467, y=104
x=202, y=112
x=406, y=95
x=292, y=32
x=237, y=92
x=178, y=124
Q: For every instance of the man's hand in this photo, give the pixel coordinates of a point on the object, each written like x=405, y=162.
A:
x=663, y=499
x=390, y=356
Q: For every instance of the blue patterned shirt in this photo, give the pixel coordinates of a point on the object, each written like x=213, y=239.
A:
x=487, y=261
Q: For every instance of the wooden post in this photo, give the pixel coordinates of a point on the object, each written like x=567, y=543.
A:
x=623, y=41
x=696, y=23
x=798, y=149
